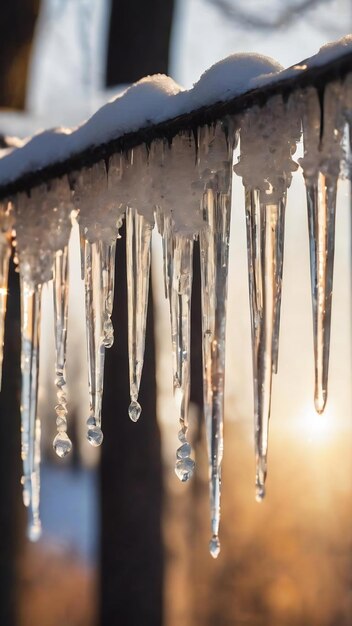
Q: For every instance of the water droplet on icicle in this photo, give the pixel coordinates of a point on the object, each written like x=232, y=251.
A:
x=180, y=293
x=95, y=436
x=138, y=247
x=214, y=546
x=134, y=411
x=30, y=423
x=214, y=247
x=264, y=230
x=5, y=253
x=61, y=444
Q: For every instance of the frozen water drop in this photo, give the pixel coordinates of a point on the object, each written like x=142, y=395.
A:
x=61, y=424
x=134, y=411
x=91, y=421
x=184, y=469
x=62, y=444
x=182, y=436
x=214, y=546
x=61, y=411
x=260, y=493
x=95, y=436
x=34, y=531
x=184, y=451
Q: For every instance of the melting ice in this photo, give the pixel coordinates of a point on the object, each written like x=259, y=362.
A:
x=184, y=186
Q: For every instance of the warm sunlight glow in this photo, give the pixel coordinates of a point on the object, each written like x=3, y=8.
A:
x=315, y=428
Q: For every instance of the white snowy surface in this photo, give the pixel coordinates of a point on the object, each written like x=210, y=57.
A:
x=152, y=100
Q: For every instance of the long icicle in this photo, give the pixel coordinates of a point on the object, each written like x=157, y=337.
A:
x=62, y=443
x=323, y=127
x=138, y=253
x=180, y=309
x=30, y=423
x=95, y=346
x=321, y=204
x=265, y=228
x=214, y=245
x=5, y=253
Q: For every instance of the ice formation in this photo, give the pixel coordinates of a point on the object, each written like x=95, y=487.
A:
x=183, y=185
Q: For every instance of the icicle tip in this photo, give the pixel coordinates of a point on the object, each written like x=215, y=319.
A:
x=62, y=444
x=184, y=469
x=34, y=531
x=214, y=546
x=134, y=411
x=95, y=436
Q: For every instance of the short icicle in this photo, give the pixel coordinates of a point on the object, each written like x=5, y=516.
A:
x=180, y=310
x=322, y=133
x=95, y=339
x=138, y=254
x=108, y=254
x=5, y=254
x=62, y=443
x=214, y=246
x=264, y=246
x=30, y=422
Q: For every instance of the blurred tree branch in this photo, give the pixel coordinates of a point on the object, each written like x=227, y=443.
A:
x=232, y=10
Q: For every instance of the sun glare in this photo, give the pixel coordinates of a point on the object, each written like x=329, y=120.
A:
x=315, y=428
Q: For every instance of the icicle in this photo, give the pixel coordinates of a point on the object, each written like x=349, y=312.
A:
x=264, y=245
x=268, y=140
x=138, y=248
x=180, y=309
x=95, y=339
x=214, y=244
x=5, y=253
x=321, y=202
x=62, y=443
x=108, y=253
x=30, y=429
x=323, y=132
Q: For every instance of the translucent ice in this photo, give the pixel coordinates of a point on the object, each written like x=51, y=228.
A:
x=30, y=422
x=268, y=140
x=322, y=132
x=62, y=444
x=138, y=250
x=214, y=247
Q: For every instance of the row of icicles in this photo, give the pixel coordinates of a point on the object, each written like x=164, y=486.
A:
x=267, y=144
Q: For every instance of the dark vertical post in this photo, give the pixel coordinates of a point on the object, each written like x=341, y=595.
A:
x=131, y=577
x=17, y=21
x=10, y=488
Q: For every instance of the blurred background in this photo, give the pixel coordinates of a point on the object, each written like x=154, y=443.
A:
x=124, y=542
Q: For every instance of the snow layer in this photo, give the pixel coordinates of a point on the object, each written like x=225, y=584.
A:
x=152, y=100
